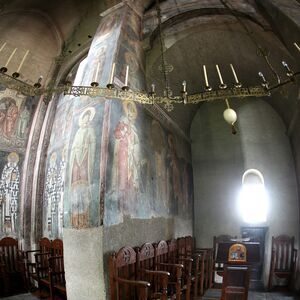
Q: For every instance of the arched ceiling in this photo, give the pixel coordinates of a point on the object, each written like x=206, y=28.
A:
x=197, y=33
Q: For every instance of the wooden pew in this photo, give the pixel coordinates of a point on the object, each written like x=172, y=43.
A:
x=146, y=271
x=12, y=266
x=57, y=277
x=176, y=270
x=122, y=275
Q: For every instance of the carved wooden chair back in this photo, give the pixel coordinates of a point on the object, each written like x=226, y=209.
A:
x=146, y=271
x=123, y=283
x=189, y=245
x=161, y=253
x=44, y=245
x=283, y=258
x=57, y=248
x=235, y=283
x=11, y=255
x=181, y=247
x=173, y=254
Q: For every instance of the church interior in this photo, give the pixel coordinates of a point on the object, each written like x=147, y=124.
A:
x=149, y=149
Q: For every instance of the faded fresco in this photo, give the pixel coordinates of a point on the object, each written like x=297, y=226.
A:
x=16, y=111
x=9, y=193
x=145, y=176
x=71, y=192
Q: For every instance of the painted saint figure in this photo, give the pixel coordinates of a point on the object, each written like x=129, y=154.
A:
x=23, y=122
x=60, y=192
x=10, y=120
x=81, y=169
x=125, y=179
x=9, y=194
x=51, y=196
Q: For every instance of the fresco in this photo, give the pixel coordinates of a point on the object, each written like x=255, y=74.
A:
x=131, y=52
x=71, y=193
x=102, y=52
x=16, y=111
x=145, y=176
x=9, y=193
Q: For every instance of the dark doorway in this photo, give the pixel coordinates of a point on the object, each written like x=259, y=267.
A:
x=256, y=234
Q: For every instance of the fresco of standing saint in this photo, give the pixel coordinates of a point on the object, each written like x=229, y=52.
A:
x=51, y=196
x=9, y=195
x=126, y=161
x=81, y=169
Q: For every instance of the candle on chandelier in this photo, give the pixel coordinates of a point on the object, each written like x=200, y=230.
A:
x=297, y=46
x=205, y=75
x=234, y=74
x=220, y=75
x=11, y=56
x=126, y=76
x=97, y=72
x=184, y=86
x=2, y=47
x=112, y=74
x=22, y=62
x=152, y=88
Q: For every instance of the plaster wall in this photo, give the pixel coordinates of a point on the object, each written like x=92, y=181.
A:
x=219, y=161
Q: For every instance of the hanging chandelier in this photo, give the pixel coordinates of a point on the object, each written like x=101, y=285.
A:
x=167, y=99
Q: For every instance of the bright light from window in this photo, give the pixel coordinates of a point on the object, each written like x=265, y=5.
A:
x=253, y=203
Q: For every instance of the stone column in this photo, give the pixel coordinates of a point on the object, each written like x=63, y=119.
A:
x=86, y=139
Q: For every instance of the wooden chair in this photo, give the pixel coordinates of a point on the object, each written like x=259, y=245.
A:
x=235, y=283
x=57, y=277
x=42, y=271
x=162, y=263
x=187, y=263
x=208, y=262
x=12, y=266
x=185, y=249
x=122, y=275
x=283, y=259
x=146, y=271
x=44, y=247
x=57, y=247
x=3, y=279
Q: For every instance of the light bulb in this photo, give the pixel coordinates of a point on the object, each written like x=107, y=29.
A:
x=230, y=116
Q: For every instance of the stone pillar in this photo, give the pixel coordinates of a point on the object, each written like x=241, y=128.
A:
x=82, y=130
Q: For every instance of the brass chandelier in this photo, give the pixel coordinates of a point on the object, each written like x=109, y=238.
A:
x=222, y=92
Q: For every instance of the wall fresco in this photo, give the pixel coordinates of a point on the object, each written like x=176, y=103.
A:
x=9, y=193
x=145, y=177
x=16, y=111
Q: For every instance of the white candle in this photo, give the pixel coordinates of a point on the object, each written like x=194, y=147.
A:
x=126, y=76
x=234, y=74
x=220, y=75
x=112, y=74
x=97, y=72
x=22, y=62
x=205, y=76
x=184, y=86
x=153, y=88
x=11, y=56
x=296, y=45
x=2, y=47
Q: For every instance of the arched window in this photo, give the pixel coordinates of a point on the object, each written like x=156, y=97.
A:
x=253, y=200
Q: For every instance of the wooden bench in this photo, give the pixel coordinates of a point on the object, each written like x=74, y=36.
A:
x=12, y=267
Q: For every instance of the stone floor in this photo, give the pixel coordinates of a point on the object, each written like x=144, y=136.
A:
x=213, y=294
